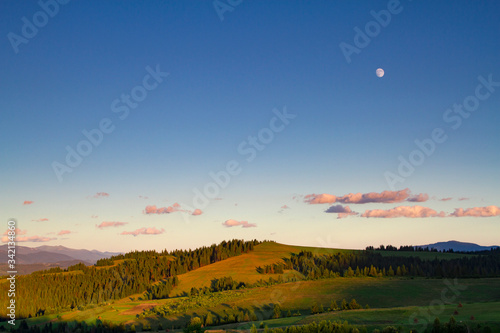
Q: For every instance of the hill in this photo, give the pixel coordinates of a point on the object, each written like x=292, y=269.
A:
x=52, y=254
x=457, y=246
x=243, y=268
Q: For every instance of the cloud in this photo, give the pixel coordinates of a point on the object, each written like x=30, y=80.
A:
x=403, y=211
x=341, y=210
x=94, y=216
x=197, y=212
x=64, y=232
x=462, y=199
x=418, y=197
x=37, y=239
x=477, y=211
x=233, y=223
x=18, y=232
x=28, y=202
x=110, y=224
x=143, y=197
x=144, y=231
x=320, y=198
x=445, y=199
x=361, y=198
x=285, y=207
x=152, y=209
x=44, y=219
x=101, y=195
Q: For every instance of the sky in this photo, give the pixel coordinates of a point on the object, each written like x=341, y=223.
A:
x=161, y=125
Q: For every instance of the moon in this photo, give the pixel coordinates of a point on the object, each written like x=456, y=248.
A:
x=379, y=72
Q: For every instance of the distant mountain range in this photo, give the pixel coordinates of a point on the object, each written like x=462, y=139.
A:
x=458, y=246
x=30, y=259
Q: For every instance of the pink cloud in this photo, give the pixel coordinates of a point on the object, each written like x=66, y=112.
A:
x=285, y=207
x=320, y=198
x=44, y=219
x=197, y=212
x=63, y=232
x=94, y=216
x=110, y=224
x=37, y=239
x=361, y=198
x=445, y=199
x=477, y=211
x=418, y=197
x=233, y=223
x=152, y=209
x=101, y=195
x=28, y=202
x=462, y=199
x=17, y=231
x=144, y=231
x=403, y=211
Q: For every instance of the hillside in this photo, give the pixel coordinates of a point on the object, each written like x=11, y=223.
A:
x=321, y=276
x=243, y=268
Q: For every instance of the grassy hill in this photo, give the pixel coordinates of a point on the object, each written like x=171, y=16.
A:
x=243, y=268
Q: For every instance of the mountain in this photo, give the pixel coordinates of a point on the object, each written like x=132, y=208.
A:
x=54, y=254
x=458, y=246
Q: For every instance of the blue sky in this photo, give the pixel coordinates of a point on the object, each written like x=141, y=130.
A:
x=225, y=78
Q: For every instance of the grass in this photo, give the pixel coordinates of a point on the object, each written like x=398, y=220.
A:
x=392, y=299
x=243, y=268
x=485, y=314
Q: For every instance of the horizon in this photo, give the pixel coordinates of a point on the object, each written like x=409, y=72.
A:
x=169, y=125
x=267, y=240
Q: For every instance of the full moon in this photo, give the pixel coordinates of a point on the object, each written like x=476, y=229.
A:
x=379, y=72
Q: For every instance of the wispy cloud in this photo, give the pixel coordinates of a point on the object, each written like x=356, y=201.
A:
x=64, y=232
x=445, y=199
x=361, y=198
x=462, y=199
x=36, y=239
x=144, y=231
x=152, y=209
x=403, y=211
x=477, y=211
x=100, y=195
x=233, y=223
x=28, y=202
x=110, y=224
x=43, y=219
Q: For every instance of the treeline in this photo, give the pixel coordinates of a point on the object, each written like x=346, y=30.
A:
x=411, y=248
x=403, y=248
x=83, y=286
x=369, y=263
